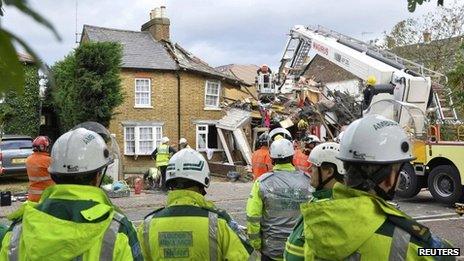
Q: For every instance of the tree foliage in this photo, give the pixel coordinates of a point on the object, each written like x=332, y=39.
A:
x=431, y=39
x=413, y=3
x=88, y=84
x=20, y=113
x=11, y=73
x=456, y=80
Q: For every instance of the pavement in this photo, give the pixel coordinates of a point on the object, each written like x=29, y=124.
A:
x=232, y=196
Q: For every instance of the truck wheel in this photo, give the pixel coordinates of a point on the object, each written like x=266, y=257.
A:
x=445, y=184
x=409, y=184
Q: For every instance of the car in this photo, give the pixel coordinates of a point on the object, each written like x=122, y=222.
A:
x=14, y=150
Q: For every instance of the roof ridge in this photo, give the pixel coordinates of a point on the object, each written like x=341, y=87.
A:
x=113, y=29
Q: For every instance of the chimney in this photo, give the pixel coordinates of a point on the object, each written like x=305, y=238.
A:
x=427, y=36
x=158, y=26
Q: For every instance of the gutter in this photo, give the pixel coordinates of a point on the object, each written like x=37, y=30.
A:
x=178, y=107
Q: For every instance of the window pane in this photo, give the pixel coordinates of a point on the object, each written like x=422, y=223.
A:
x=130, y=133
x=211, y=100
x=145, y=147
x=146, y=133
x=142, y=92
x=202, y=141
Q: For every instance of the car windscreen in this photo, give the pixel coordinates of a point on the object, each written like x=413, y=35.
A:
x=15, y=144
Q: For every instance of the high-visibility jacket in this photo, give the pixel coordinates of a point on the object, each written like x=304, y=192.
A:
x=356, y=225
x=37, y=171
x=190, y=228
x=273, y=208
x=294, y=248
x=162, y=155
x=261, y=162
x=70, y=222
x=300, y=161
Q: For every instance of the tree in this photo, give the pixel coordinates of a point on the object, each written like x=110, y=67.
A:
x=88, y=84
x=431, y=39
x=412, y=4
x=20, y=113
x=456, y=81
x=11, y=71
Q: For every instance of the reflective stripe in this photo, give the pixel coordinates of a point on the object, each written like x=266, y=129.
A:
x=146, y=231
x=13, y=249
x=109, y=239
x=294, y=250
x=35, y=191
x=254, y=236
x=399, y=245
x=213, y=242
x=39, y=178
x=354, y=257
x=253, y=219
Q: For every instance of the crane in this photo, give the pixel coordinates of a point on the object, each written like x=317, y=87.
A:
x=410, y=85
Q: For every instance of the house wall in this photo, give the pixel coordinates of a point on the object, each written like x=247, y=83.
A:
x=164, y=102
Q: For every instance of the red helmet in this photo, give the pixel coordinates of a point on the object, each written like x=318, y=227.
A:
x=41, y=143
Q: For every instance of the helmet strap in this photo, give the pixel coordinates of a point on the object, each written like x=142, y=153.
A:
x=102, y=176
x=321, y=182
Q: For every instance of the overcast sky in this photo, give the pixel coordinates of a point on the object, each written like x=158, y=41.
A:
x=218, y=31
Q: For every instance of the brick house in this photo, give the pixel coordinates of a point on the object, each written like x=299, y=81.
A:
x=168, y=92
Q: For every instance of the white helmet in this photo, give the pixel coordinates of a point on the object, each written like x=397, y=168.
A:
x=375, y=139
x=339, y=137
x=327, y=152
x=284, y=132
x=282, y=148
x=79, y=151
x=182, y=140
x=188, y=164
x=165, y=140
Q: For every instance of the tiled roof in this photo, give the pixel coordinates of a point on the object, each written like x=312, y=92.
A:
x=245, y=72
x=140, y=50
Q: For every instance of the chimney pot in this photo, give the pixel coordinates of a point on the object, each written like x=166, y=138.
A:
x=158, y=26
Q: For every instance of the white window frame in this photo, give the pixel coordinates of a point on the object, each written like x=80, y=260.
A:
x=157, y=134
x=206, y=132
x=149, y=93
x=218, y=95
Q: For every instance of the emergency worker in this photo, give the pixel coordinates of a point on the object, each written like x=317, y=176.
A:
x=190, y=227
x=369, y=91
x=161, y=155
x=183, y=143
x=260, y=159
x=358, y=223
x=300, y=159
x=74, y=220
x=273, y=205
x=326, y=171
x=37, y=168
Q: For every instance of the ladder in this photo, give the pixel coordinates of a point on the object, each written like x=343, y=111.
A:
x=295, y=53
x=441, y=94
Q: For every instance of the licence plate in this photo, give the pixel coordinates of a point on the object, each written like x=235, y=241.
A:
x=19, y=161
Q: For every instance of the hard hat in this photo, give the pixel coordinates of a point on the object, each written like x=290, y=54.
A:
x=371, y=80
x=311, y=139
x=327, y=152
x=188, y=164
x=375, y=139
x=79, y=151
x=263, y=139
x=165, y=140
x=339, y=137
x=182, y=141
x=284, y=132
x=281, y=149
x=41, y=143
x=262, y=65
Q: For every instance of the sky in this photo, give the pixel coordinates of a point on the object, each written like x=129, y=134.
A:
x=218, y=31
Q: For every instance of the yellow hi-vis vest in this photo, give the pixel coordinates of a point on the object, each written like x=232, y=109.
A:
x=162, y=155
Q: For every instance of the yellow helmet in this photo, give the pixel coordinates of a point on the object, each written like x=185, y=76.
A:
x=371, y=80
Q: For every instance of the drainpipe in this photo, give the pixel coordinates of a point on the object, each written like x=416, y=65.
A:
x=178, y=108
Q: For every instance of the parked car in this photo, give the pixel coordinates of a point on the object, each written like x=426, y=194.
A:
x=14, y=150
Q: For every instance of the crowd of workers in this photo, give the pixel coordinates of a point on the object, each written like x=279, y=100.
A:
x=309, y=201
